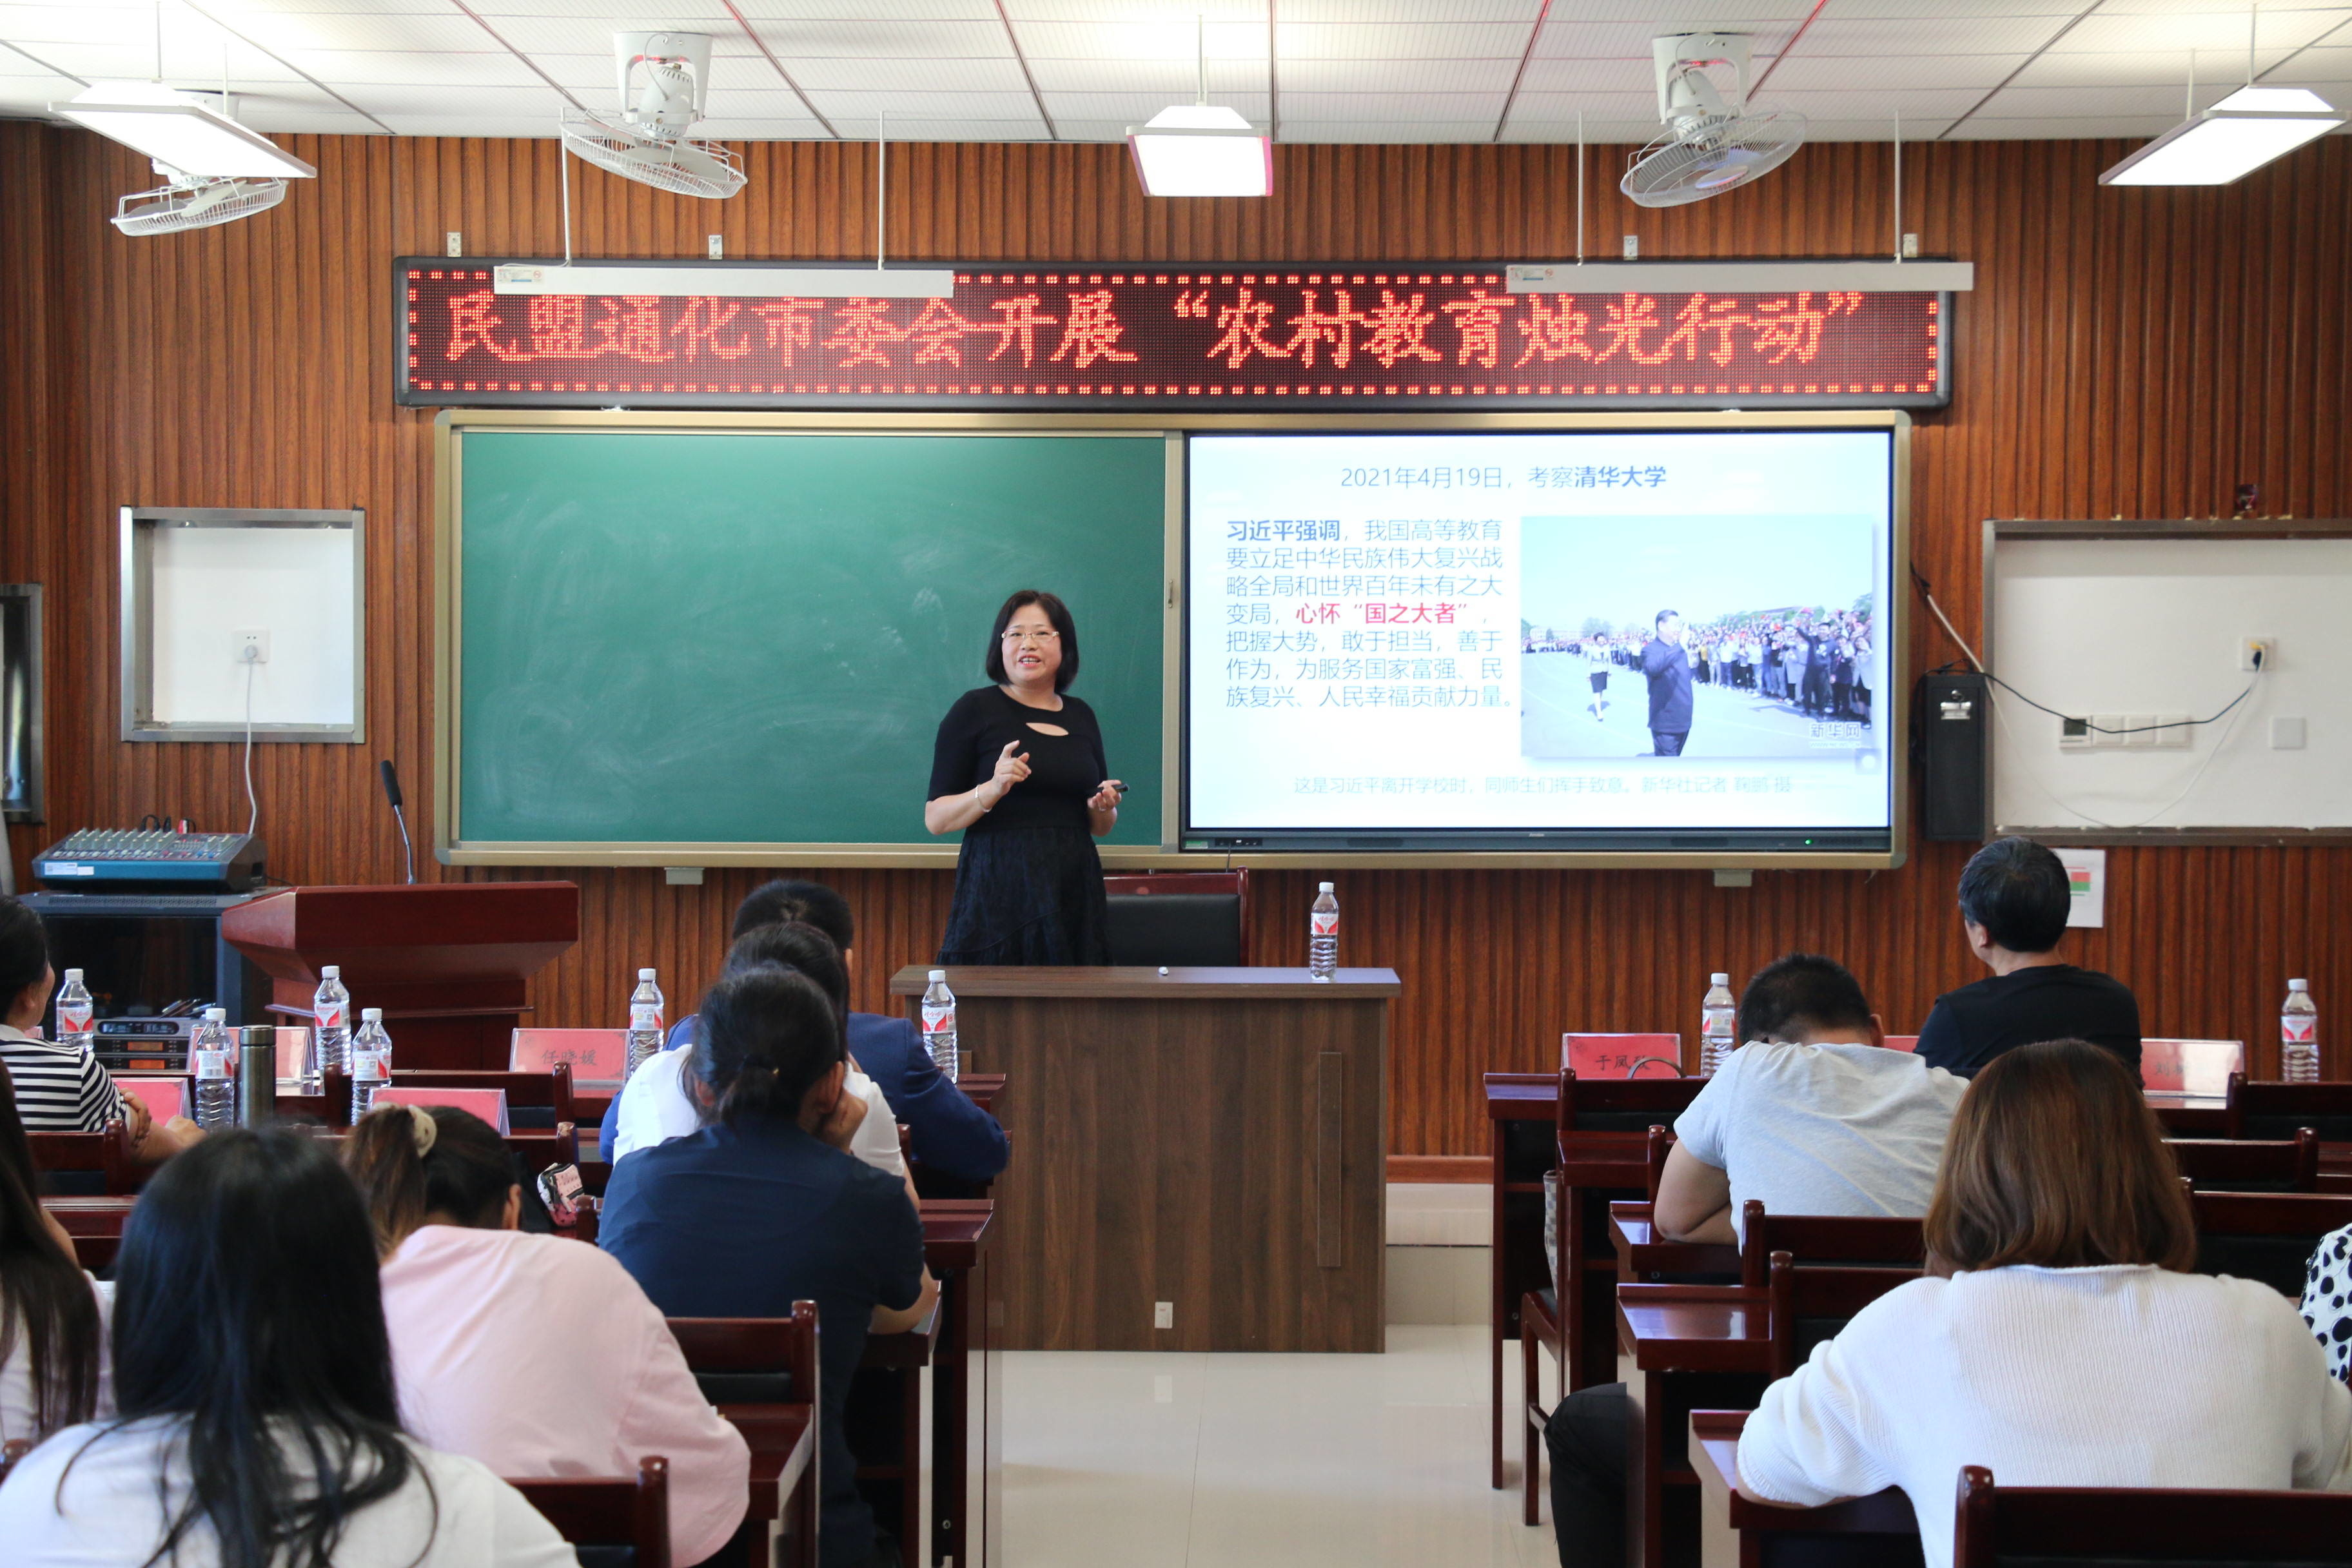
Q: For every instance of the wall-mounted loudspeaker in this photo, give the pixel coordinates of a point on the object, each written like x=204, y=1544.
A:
x=1951, y=733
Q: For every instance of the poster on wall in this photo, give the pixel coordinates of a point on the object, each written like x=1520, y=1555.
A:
x=1387, y=337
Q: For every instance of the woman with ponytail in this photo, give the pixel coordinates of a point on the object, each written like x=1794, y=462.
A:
x=765, y=1206
x=51, y=1327
x=535, y=1354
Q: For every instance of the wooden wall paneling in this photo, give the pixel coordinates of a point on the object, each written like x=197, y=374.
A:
x=2132, y=353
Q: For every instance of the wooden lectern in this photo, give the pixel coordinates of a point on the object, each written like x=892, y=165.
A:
x=448, y=961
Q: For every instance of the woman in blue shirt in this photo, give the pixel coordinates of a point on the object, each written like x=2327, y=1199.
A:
x=765, y=1206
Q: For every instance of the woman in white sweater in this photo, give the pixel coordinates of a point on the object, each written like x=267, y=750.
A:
x=257, y=1425
x=2061, y=1339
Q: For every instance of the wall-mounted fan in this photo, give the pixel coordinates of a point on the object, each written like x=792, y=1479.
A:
x=1712, y=143
x=663, y=80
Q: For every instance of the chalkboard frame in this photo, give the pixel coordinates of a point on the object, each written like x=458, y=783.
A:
x=452, y=848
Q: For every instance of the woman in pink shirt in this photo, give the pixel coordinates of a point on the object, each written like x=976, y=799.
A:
x=537, y=1355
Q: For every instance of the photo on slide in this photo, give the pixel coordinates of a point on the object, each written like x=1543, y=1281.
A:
x=1698, y=636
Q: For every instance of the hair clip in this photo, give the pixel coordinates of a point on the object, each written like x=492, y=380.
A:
x=424, y=1128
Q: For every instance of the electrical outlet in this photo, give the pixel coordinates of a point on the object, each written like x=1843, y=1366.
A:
x=453, y=243
x=1632, y=250
x=2176, y=734
x=718, y=248
x=2074, y=734
x=249, y=646
x=2106, y=731
x=2256, y=653
x=1910, y=247
x=1163, y=1314
x=2144, y=733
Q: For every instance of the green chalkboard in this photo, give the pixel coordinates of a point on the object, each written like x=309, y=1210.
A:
x=702, y=638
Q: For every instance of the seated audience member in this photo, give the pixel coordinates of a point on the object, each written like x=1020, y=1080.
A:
x=534, y=1354
x=258, y=1426
x=2061, y=1339
x=765, y=1206
x=946, y=1132
x=60, y=1087
x=2013, y=900
x=658, y=1103
x=2326, y=1290
x=1812, y=1116
x=52, y=1341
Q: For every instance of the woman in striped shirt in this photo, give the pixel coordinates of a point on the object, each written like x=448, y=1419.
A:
x=59, y=1086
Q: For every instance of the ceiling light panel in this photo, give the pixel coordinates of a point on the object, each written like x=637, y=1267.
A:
x=2218, y=150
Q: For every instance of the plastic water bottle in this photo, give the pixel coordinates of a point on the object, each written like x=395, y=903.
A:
x=2299, y=1035
x=215, y=1089
x=371, y=1061
x=330, y=1035
x=1719, y=1018
x=644, y=1020
x=939, y=1024
x=1323, y=934
x=76, y=1015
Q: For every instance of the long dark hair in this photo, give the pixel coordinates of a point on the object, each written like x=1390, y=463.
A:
x=24, y=950
x=246, y=1311
x=766, y=1035
x=459, y=1167
x=795, y=944
x=43, y=1296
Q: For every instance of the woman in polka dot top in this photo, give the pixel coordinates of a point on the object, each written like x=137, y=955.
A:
x=2326, y=1289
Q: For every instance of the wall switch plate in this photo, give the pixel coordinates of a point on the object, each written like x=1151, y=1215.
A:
x=718, y=251
x=682, y=875
x=1910, y=247
x=453, y=243
x=249, y=646
x=2144, y=733
x=1633, y=248
x=2249, y=646
x=1163, y=1314
x=2106, y=731
x=2287, y=734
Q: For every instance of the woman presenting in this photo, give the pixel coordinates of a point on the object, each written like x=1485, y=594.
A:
x=1019, y=768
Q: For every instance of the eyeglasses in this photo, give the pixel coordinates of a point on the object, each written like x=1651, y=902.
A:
x=1040, y=637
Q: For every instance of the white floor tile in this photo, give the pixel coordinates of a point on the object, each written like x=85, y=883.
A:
x=1237, y=1461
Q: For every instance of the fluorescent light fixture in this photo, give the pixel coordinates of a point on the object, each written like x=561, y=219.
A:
x=2230, y=140
x=1741, y=276
x=702, y=282
x=1201, y=150
x=188, y=137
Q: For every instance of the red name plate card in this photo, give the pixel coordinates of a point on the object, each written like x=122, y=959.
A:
x=1138, y=339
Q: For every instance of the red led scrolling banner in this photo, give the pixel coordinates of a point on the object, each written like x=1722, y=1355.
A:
x=1130, y=338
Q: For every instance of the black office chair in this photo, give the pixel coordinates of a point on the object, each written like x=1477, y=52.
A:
x=1181, y=919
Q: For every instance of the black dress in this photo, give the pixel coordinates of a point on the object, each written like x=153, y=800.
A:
x=1029, y=886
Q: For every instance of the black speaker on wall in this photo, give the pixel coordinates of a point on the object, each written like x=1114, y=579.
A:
x=1951, y=723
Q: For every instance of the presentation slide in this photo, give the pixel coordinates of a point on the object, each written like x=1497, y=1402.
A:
x=1607, y=637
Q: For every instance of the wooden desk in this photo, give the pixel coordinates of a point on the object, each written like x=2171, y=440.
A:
x=94, y=1223
x=1735, y=1532
x=1681, y=1348
x=1216, y=1139
x=1642, y=1255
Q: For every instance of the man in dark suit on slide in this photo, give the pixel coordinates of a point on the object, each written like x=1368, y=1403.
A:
x=1668, y=665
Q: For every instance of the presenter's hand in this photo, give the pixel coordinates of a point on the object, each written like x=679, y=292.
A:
x=1012, y=767
x=840, y=1125
x=1106, y=798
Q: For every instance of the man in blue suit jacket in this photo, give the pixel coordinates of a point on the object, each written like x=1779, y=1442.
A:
x=946, y=1131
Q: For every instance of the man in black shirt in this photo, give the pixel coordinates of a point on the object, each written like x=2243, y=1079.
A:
x=1666, y=663
x=2013, y=898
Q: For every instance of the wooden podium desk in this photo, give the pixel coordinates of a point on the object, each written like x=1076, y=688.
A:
x=1216, y=1139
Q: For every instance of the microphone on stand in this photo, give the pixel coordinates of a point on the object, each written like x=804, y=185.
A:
x=392, y=792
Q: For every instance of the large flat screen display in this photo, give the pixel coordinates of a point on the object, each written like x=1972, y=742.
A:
x=1639, y=641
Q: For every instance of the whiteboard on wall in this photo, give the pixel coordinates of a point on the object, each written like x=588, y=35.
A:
x=2138, y=627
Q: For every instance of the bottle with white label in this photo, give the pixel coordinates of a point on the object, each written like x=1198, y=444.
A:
x=76, y=1014
x=2299, y=1035
x=1323, y=934
x=939, y=1024
x=215, y=1090
x=644, y=1020
x=371, y=1061
x=330, y=1032
x=1719, y=1018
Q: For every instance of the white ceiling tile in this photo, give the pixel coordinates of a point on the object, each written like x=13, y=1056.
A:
x=1075, y=129
x=1550, y=75
x=1520, y=13
x=89, y=24
x=1135, y=108
x=1390, y=132
x=1693, y=16
x=2270, y=12
x=295, y=121
x=856, y=127
x=1806, y=73
x=2168, y=67
x=1940, y=103
x=594, y=34
x=857, y=39
x=593, y=73
x=392, y=68
x=778, y=127
x=1167, y=40
x=1597, y=134
x=1170, y=12
x=1864, y=36
x=236, y=11
x=1398, y=76
x=736, y=71
x=518, y=128
x=351, y=31
x=1925, y=130
x=1002, y=75
x=1582, y=41
x=501, y=102
x=1390, y=107
x=769, y=101
x=1981, y=129
x=928, y=106
x=875, y=10
x=1400, y=40
x=2315, y=66
x=1170, y=81
x=1562, y=108
x=2082, y=103
x=1950, y=11
x=2222, y=34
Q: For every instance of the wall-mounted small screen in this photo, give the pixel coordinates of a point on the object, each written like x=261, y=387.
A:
x=1606, y=641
